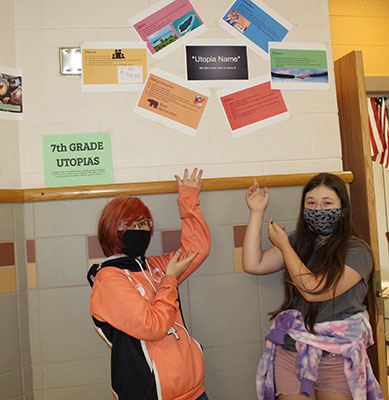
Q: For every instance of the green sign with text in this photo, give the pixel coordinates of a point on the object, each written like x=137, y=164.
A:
x=77, y=159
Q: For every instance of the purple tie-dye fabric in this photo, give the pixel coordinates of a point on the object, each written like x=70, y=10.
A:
x=349, y=337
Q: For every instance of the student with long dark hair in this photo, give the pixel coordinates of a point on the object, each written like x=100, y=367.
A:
x=316, y=347
x=134, y=301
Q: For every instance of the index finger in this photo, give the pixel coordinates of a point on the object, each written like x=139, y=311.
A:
x=191, y=256
x=185, y=174
x=176, y=254
x=275, y=226
x=253, y=186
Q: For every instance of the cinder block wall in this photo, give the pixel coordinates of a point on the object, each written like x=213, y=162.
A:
x=362, y=25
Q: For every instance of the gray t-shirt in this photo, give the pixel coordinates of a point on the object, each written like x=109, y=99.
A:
x=349, y=303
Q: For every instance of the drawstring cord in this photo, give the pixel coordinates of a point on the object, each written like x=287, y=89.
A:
x=183, y=327
x=143, y=271
x=151, y=273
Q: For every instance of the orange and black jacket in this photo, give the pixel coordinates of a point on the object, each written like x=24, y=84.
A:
x=136, y=310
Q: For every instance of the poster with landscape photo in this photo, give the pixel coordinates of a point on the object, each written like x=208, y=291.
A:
x=167, y=25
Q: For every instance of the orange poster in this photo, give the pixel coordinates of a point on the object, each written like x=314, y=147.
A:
x=171, y=100
x=113, y=66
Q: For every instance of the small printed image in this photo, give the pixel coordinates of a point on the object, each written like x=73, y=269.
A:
x=300, y=74
x=162, y=38
x=130, y=74
x=153, y=103
x=118, y=55
x=186, y=23
x=11, y=91
x=198, y=101
x=236, y=20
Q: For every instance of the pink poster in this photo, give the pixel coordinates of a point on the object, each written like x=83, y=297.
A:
x=166, y=25
x=253, y=107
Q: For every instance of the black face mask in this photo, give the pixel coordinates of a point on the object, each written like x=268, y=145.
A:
x=135, y=242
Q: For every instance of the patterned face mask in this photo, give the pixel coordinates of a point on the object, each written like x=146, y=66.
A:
x=323, y=222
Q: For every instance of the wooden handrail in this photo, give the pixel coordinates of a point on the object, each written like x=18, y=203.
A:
x=134, y=189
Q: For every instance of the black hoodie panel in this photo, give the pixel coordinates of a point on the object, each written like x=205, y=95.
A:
x=131, y=376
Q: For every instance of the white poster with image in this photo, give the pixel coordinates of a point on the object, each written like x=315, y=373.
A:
x=11, y=94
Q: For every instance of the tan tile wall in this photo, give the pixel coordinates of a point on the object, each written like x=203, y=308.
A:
x=15, y=360
x=68, y=358
x=225, y=310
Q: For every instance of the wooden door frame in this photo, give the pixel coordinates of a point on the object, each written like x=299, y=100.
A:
x=356, y=154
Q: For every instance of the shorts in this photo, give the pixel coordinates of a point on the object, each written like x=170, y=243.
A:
x=330, y=377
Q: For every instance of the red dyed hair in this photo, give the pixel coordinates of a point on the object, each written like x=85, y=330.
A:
x=122, y=208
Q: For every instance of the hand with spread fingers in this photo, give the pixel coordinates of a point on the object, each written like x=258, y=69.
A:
x=179, y=263
x=193, y=181
x=256, y=201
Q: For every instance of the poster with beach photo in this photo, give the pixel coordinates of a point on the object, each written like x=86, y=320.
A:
x=256, y=24
x=298, y=66
x=167, y=25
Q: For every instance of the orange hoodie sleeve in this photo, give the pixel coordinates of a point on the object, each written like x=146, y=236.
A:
x=114, y=299
x=195, y=235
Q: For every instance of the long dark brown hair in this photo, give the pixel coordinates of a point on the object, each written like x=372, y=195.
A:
x=329, y=259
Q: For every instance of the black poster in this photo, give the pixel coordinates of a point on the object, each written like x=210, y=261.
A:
x=216, y=62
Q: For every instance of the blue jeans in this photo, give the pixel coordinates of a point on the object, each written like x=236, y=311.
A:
x=203, y=397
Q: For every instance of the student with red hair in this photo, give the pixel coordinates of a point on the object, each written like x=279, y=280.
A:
x=135, y=304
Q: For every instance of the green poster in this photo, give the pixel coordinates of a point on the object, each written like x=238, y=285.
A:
x=77, y=159
x=286, y=58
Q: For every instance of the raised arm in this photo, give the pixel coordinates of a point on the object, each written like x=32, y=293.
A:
x=254, y=259
x=306, y=282
x=195, y=235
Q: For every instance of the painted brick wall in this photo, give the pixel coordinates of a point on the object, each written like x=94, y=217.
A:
x=362, y=25
x=142, y=150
